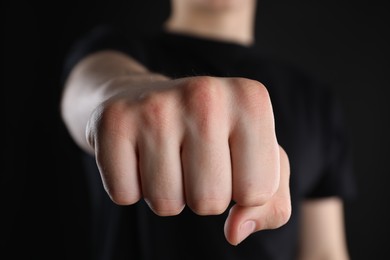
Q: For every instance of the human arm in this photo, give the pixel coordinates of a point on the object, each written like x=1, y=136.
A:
x=322, y=234
x=197, y=141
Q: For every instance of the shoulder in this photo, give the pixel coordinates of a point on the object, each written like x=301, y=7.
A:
x=293, y=81
x=104, y=37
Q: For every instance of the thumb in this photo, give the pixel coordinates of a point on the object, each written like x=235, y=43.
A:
x=243, y=221
x=240, y=223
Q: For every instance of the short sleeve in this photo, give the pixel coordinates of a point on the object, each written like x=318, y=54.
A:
x=101, y=37
x=337, y=176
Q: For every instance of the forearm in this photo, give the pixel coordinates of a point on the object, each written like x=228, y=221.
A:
x=322, y=230
x=94, y=80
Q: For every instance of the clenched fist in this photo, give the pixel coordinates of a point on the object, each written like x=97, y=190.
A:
x=197, y=141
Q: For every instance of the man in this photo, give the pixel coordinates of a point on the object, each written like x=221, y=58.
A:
x=171, y=121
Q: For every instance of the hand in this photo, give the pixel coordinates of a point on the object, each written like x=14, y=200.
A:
x=197, y=141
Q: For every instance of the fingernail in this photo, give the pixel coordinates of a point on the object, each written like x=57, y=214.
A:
x=246, y=229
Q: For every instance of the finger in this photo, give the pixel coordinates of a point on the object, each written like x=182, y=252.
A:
x=243, y=221
x=254, y=148
x=117, y=162
x=207, y=174
x=159, y=154
x=205, y=148
x=161, y=175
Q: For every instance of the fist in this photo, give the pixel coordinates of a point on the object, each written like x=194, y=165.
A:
x=198, y=141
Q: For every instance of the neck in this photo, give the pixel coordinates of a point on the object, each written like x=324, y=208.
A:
x=227, y=24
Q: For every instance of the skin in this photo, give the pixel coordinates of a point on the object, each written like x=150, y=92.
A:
x=199, y=141
x=229, y=20
x=322, y=234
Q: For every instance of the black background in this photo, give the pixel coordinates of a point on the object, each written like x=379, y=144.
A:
x=344, y=42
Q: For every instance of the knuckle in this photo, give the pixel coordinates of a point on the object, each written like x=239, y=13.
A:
x=250, y=199
x=123, y=198
x=253, y=96
x=205, y=206
x=284, y=160
x=155, y=108
x=203, y=94
x=255, y=194
x=281, y=213
x=204, y=103
x=110, y=117
x=165, y=207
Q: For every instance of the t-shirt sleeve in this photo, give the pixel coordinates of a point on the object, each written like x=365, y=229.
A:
x=101, y=37
x=337, y=176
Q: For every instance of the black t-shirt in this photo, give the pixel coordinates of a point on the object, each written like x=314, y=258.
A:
x=309, y=126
